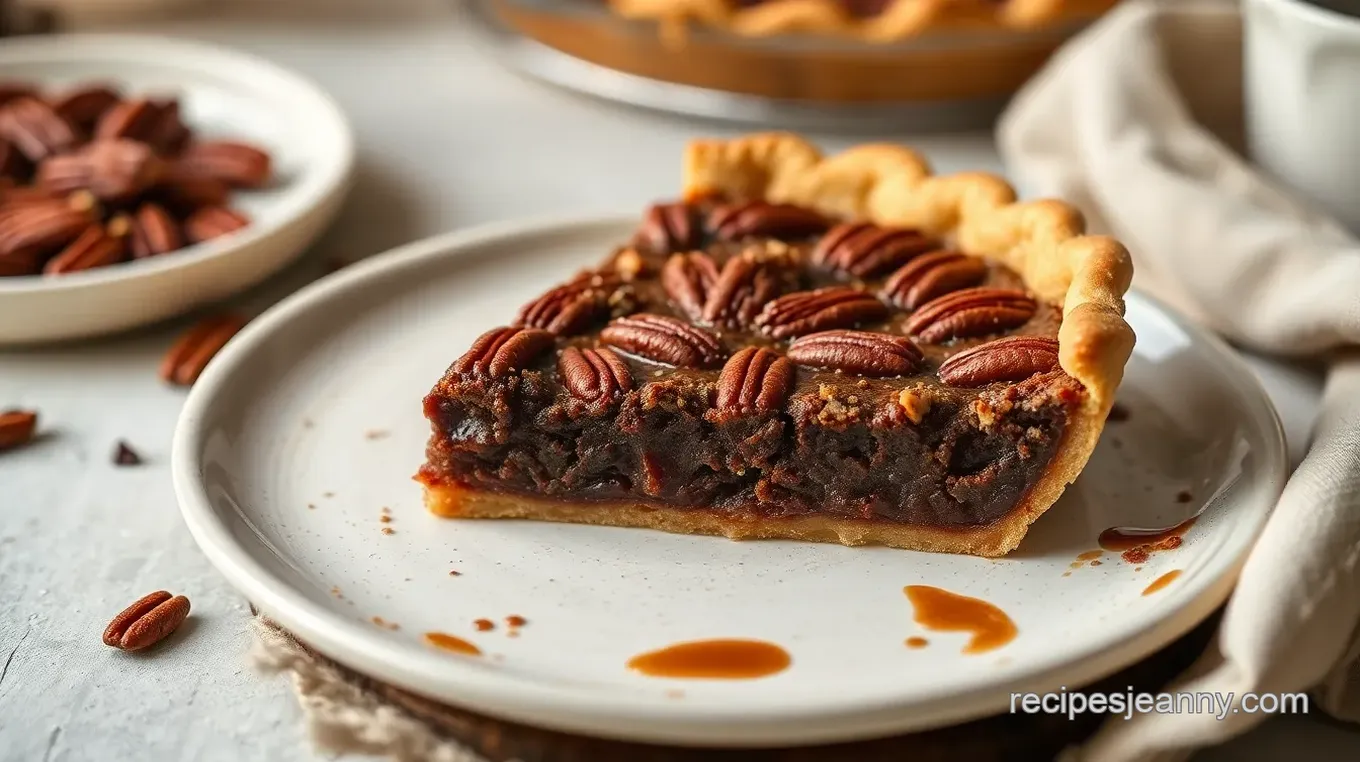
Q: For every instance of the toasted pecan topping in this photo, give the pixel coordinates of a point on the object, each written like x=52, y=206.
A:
x=112, y=170
x=93, y=248
x=819, y=310
x=593, y=375
x=761, y=218
x=669, y=227
x=860, y=352
x=152, y=231
x=754, y=380
x=35, y=129
x=238, y=165
x=742, y=290
x=1013, y=358
x=573, y=306
x=212, y=222
x=864, y=250
x=932, y=275
x=688, y=279
x=83, y=106
x=503, y=351
x=665, y=340
x=41, y=227
x=971, y=312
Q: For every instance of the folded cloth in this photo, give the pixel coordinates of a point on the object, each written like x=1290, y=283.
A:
x=1136, y=121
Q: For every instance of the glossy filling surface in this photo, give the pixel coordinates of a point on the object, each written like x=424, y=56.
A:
x=836, y=428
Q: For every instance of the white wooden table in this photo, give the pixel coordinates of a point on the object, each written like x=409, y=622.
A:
x=446, y=139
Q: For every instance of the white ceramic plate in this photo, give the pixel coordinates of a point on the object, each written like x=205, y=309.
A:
x=223, y=93
x=309, y=424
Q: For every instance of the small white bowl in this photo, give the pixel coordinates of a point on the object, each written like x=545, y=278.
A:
x=223, y=94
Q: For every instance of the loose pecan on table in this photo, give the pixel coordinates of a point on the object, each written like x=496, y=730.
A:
x=124, y=455
x=860, y=352
x=669, y=227
x=17, y=428
x=754, y=380
x=969, y=313
x=503, y=351
x=573, y=306
x=864, y=250
x=688, y=279
x=593, y=375
x=147, y=622
x=213, y=222
x=819, y=310
x=932, y=275
x=665, y=340
x=761, y=218
x=1013, y=358
x=189, y=355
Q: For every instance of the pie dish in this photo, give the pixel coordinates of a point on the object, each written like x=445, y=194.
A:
x=843, y=349
x=872, y=20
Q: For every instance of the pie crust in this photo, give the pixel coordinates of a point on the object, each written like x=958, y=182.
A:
x=1042, y=241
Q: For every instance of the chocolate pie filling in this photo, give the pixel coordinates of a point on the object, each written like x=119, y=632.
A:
x=680, y=379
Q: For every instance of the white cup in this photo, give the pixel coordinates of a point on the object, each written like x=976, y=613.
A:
x=1302, y=80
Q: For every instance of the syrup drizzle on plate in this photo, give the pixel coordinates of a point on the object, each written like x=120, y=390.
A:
x=938, y=609
x=452, y=643
x=722, y=659
x=1162, y=581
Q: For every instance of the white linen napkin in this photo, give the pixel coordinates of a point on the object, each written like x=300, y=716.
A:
x=1136, y=121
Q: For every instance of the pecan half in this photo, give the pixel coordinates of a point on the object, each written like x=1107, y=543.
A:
x=41, y=227
x=153, y=231
x=17, y=428
x=190, y=354
x=503, y=351
x=754, y=379
x=13, y=165
x=743, y=288
x=35, y=129
x=134, y=119
x=761, y=218
x=860, y=352
x=864, y=250
x=236, y=164
x=687, y=279
x=93, y=248
x=664, y=339
x=10, y=91
x=169, y=134
x=825, y=308
x=147, y=621
x=969, y=313
x=932, y=275
x=593, y=375
x=1013, y=358
x=112, y=170
x=22, y=262
x=83, y=106
x=213, y=221
x=188, y=194
x=573, y=306
x=668, y=227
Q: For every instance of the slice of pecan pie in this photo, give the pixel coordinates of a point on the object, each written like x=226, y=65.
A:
x=841, y=349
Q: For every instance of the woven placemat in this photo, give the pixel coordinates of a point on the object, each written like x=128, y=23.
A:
x=350, y=713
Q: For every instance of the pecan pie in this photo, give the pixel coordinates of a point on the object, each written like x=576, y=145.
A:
x=842, y=349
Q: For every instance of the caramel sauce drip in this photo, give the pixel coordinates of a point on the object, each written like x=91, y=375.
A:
x=938, y=609
x=724, y=659
x=1090, y=555
x=915, y=641
x=483, y=625
x=1118, y=539
x=452, y=643
x=1162, y=581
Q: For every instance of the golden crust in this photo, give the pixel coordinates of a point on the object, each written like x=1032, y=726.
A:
x=900, y=19
x=1043, y=241
x=994, y=540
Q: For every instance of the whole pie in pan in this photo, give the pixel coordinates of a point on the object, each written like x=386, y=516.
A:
x=838, y=349
x=873, y=20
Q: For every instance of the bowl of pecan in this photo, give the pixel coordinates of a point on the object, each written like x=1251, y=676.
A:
x=142, y=177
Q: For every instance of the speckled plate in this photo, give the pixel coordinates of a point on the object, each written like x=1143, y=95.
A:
x=309, y=425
